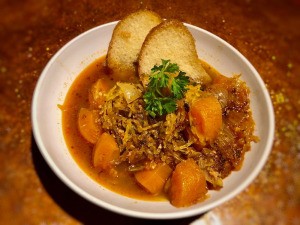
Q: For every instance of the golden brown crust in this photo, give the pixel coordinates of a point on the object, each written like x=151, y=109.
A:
x=171, y=40
x=126, y=42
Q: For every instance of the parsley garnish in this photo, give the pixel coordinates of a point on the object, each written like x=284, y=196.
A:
x=162, y=94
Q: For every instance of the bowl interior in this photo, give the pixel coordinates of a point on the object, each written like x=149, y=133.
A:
x=63, y=68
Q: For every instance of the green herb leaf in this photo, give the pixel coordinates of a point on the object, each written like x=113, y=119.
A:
x=158, y=103
x=169, y=105
x=170, y=67
x=179, y=83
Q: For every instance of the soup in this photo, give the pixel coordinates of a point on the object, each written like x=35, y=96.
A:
x=147, y=154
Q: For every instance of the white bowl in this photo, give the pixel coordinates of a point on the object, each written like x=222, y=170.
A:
x=70, y=60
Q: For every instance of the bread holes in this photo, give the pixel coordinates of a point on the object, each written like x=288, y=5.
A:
x=171, y=40
x=126, y=42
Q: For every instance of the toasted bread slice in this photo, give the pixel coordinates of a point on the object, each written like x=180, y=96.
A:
x=171, y=40
x=127, y=39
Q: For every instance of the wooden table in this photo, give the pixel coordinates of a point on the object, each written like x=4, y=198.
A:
x=266, y=32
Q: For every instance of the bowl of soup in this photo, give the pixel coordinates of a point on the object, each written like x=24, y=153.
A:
x=63, y=89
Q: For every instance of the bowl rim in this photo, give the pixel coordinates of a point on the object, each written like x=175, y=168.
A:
x=148, y=215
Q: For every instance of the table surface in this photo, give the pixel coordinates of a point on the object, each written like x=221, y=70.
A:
x=266, y=32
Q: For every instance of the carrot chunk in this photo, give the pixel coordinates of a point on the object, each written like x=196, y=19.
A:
x=154, y=180
x=206, y=118
x=188, y=184
x=87, y=125
x=106, y=151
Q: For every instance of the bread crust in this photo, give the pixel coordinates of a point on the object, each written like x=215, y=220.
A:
x=127, y=39
x=171, y=40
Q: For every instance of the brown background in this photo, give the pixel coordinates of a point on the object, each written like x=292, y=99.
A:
x=31, y=31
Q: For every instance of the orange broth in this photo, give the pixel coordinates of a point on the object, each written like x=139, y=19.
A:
x=81, y=150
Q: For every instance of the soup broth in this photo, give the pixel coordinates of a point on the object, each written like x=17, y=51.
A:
x=120, y=179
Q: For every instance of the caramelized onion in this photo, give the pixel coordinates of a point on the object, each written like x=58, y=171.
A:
x=130, y=91
x=222, y=95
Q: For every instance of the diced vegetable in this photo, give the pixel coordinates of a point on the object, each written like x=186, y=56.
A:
x=98, y=91
x=188, y=184
x=87, y=125
x=154, y=180
x=130, y=91
x=106, y=151
x=206, y=118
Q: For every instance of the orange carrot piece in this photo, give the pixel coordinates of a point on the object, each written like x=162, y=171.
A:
x=87, y=125
x=206, y=118
x=106, y=151
x=154, y=180
x=188, y=184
